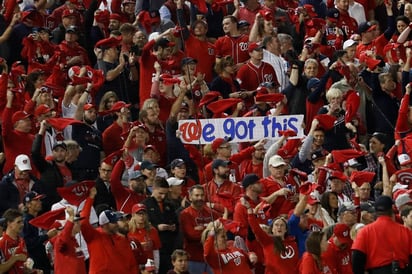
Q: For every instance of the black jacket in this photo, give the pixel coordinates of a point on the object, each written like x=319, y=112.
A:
x=9, y=194
x=104, y=195
x=168, y=216
x=50, y=175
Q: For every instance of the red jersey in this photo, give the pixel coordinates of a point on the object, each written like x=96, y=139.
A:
x=250, y=77
x=338, y=261
x=381, y=251
x=237, y=47
x=282, y=205
x=68, y=257
x=125, y=198
x=204, y=53
x=226, y=261
x=347, y=23
x=285, y=262
x=189, y=219
x=10, y=247
x=149, y=240
x=223, y=196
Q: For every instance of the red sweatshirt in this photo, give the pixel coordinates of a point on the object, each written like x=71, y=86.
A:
x=125, y=197
x=10, y=247
x=285, y=262
x=108, y=253
x=66, y=258
x=223, y=196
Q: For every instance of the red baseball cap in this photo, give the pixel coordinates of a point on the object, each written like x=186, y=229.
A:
x=20, y=115
x=42, y=109
x=342, y=232
x=138, y=207
x=88, y=106
x=220, y=141
x=119, y=105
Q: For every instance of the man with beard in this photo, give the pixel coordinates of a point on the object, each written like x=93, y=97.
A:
x=138, y=252
x=108, y=252
x=157, y=135
x=252, y=188
x=127, y=197
x=90, y=140
x=193, y=221
x=255, y=163
x=53, y=174
x=222, y=193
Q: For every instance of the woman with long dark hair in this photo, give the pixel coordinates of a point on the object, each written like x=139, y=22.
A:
x=280, y=250
x=330, y=205
x=311, y=262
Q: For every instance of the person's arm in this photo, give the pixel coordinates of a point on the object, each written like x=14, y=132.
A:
x=7, y=265
x=253, y=35
x=403, y=37
x=6, y=34
x=155, y=92
x=64, y=237
x=301, y=205
x=78, y=115
x=272, y=150
x=358, y=262
x=387, y=185
x=115, y=178
x=181, y=19
x=38, y=159
x=88, y=231
x=304, y=152
x=68, y=95
x=178, y=102
x=390, y=21
x=114, y=73
x=237, y=7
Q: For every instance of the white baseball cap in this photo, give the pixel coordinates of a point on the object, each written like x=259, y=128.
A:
x=173, y=181
x=23, y=162
x=348, y=43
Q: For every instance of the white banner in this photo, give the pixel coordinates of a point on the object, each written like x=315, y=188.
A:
x=240, y=129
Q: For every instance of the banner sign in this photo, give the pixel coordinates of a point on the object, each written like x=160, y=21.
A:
x=240, y=129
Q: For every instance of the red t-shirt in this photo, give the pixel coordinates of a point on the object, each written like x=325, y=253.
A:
x=380, y=250
x=250, y=77
x=66, y=173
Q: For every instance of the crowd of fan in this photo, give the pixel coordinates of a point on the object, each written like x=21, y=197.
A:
x=96, y=177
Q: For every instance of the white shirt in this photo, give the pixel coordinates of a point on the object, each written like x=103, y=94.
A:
x=357, y=11
x=279, y=65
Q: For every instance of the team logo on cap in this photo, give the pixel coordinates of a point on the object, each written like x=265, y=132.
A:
x=345, y=233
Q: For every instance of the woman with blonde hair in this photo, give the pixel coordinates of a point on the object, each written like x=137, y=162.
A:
x=221, y=257
x=105, y=120
x=141, y=230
